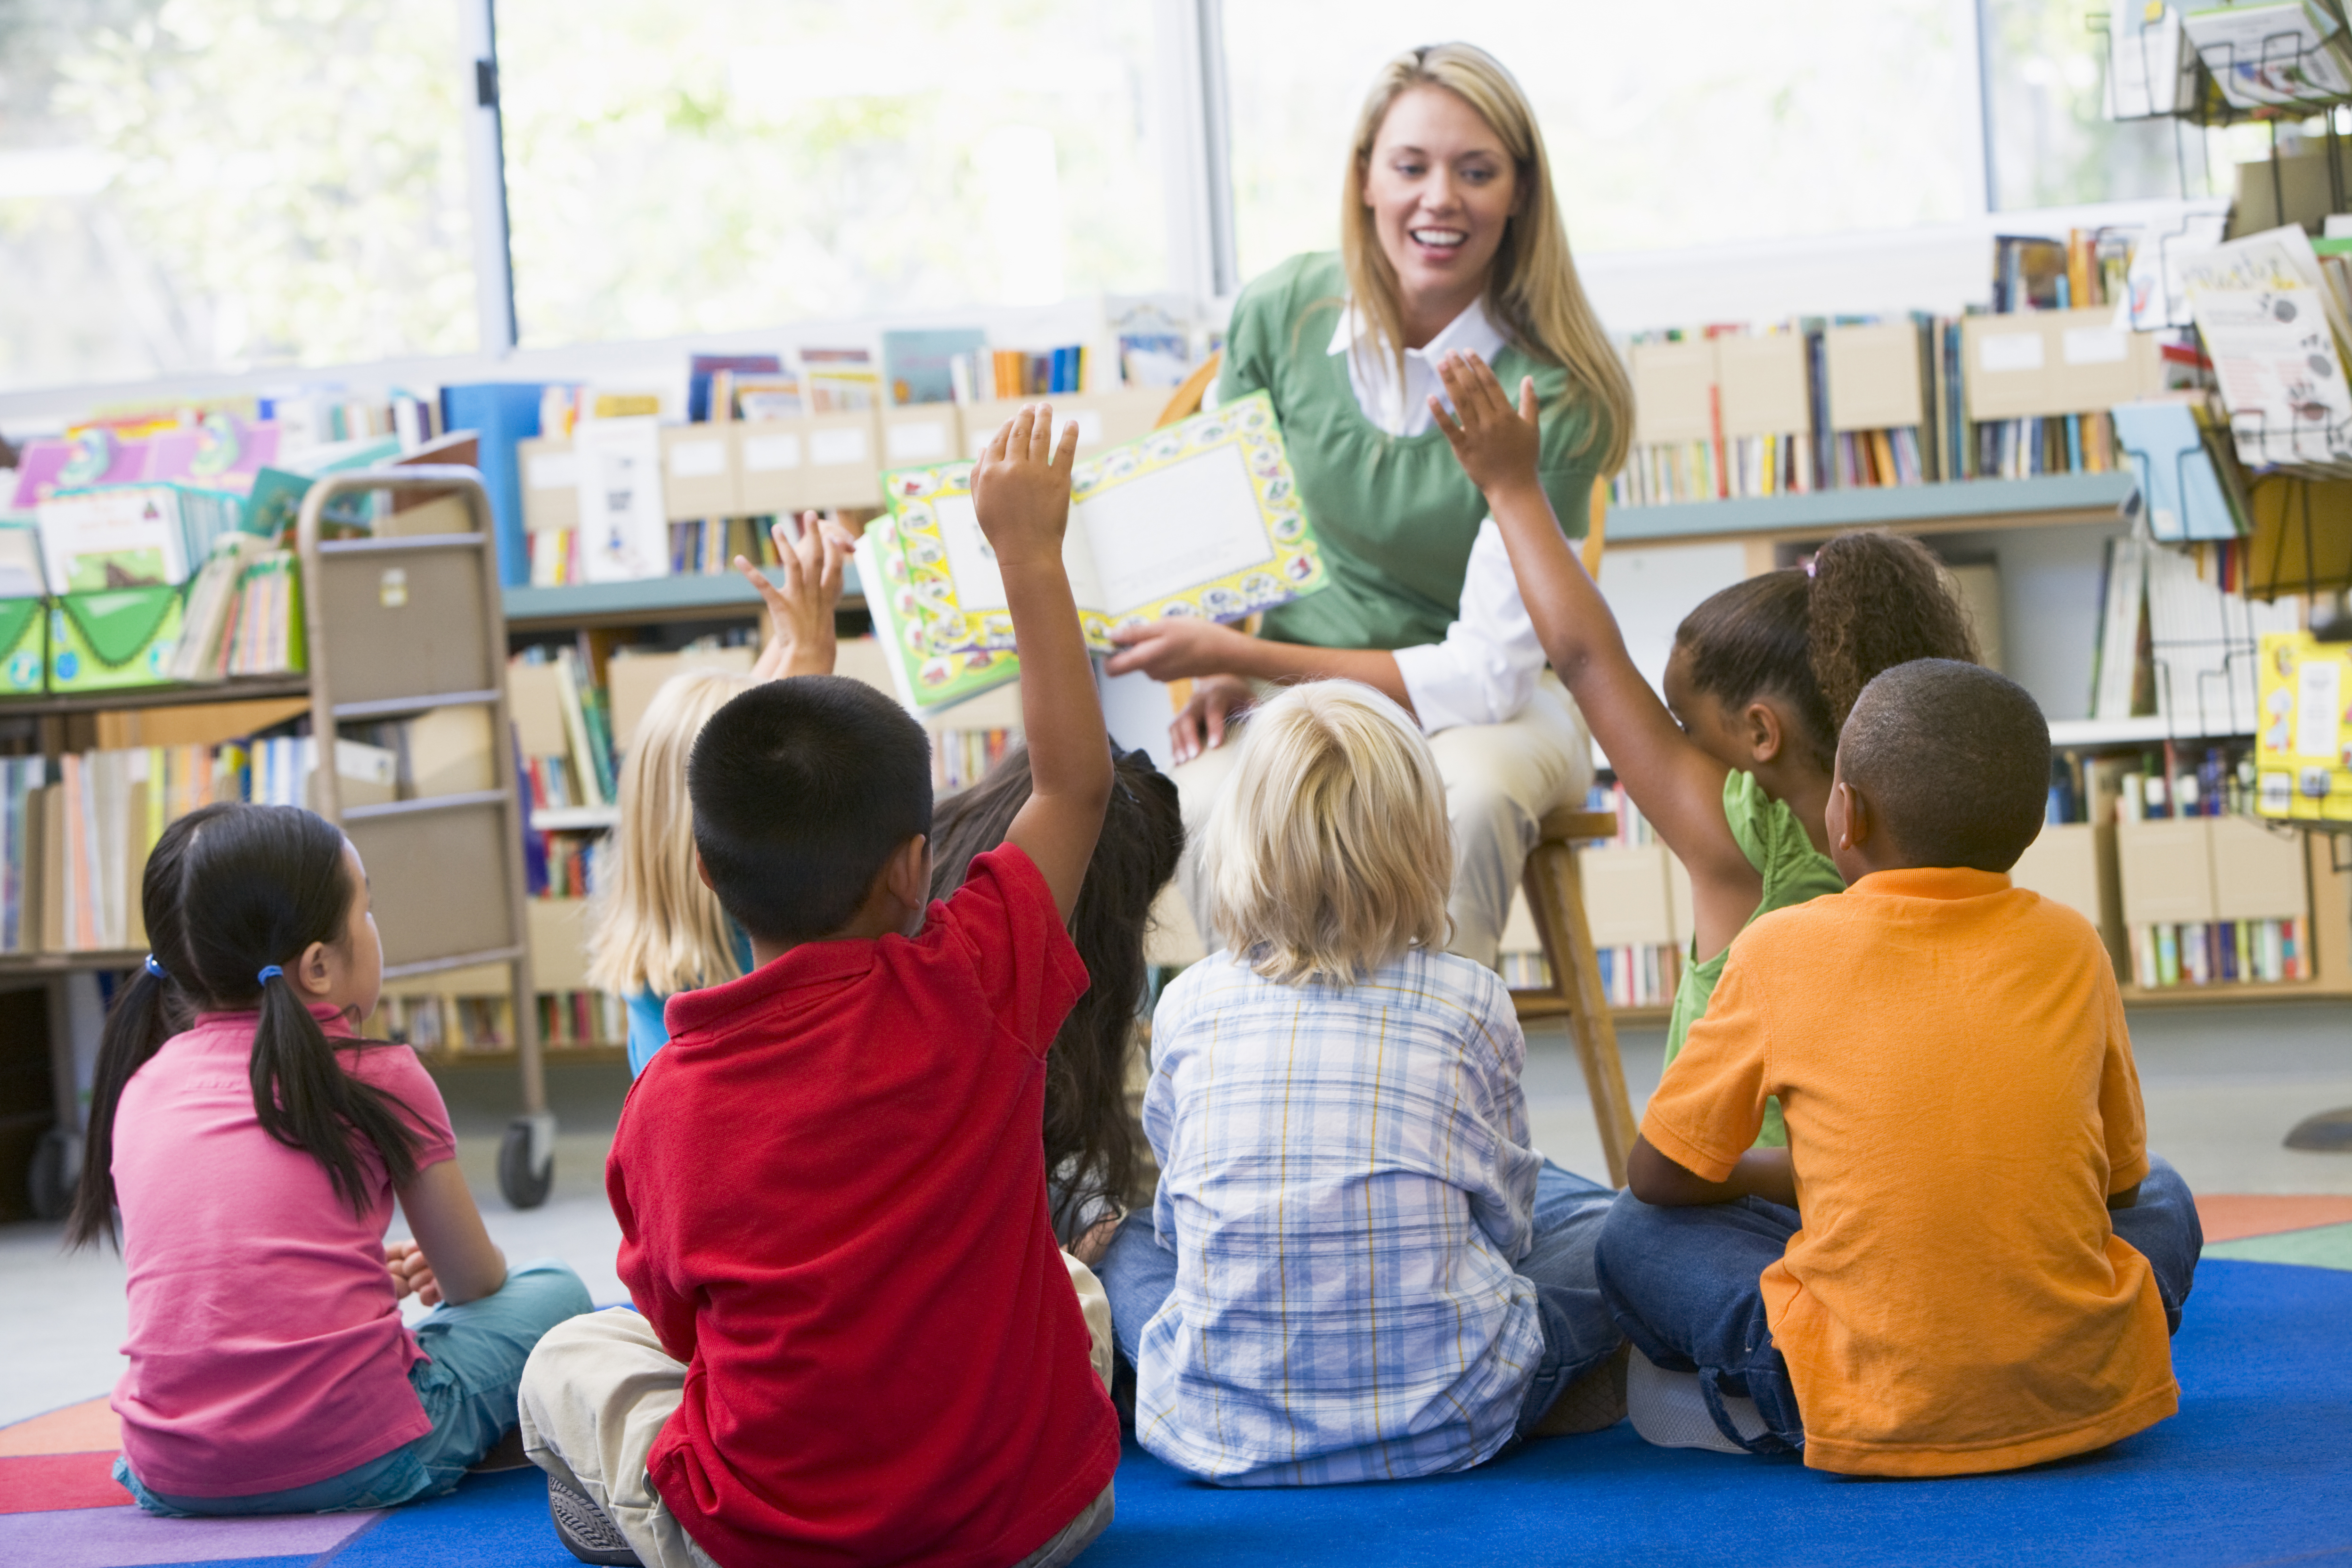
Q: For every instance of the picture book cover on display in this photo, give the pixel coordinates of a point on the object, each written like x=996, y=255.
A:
x=1201, y=519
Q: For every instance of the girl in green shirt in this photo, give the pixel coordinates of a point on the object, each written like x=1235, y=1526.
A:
x=1733, y=768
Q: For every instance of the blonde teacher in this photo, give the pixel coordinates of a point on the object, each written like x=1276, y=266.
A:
x=1451, y=238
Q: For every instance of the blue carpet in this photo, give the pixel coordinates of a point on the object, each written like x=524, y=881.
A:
x=2253, y=1470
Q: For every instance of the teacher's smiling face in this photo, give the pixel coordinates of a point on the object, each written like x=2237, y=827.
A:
x=1441, y=188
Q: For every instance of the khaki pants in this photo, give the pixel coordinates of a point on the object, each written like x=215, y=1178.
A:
x=598, y=1388
x=1500, y=780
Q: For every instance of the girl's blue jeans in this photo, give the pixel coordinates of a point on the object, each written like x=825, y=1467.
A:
x=468, y=1390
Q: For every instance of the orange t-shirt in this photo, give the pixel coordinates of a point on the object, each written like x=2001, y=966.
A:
x=1951, y=1056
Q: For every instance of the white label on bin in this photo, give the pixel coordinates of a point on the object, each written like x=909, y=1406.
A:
x=2096, y=345
x=1998, y=352
x=697, y=459
x=915, y=441
x=771, y=454
x=831, y=448
x=1089, y=423
x=553, y=470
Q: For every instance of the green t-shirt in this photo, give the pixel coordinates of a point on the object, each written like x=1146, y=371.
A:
x=1794, y=872
x=1395, y=514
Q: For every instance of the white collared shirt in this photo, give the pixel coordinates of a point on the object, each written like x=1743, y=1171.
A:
x=1486, y=670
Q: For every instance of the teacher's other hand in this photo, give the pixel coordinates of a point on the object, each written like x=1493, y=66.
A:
x=1201, y=723
x=1177, y=649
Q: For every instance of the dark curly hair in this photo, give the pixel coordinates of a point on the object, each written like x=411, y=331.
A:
x=1090, y=1155
x=1870, y=602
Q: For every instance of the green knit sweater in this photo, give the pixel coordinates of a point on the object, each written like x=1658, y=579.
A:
x=1395, y=514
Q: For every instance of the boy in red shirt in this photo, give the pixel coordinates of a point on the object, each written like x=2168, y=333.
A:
x=859, y=1340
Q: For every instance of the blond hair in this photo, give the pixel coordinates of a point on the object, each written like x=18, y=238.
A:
x=655, y=925
x=1532, y=289
x=1328, y=855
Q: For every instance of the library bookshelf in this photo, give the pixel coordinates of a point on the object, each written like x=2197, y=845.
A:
x=1765, y=525
x=395, y=625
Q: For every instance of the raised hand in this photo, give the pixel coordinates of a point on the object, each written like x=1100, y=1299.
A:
x=800, y=611
x=1021, y=487
x=1496, y=445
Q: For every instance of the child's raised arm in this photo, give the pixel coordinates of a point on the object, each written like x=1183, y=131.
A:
x=1677, y=786
x=1020, y=490
x=800, y=612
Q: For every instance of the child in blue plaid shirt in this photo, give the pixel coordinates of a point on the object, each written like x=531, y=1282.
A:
x=1356, y=1266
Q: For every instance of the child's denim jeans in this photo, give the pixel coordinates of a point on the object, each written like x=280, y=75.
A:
x=468, y=1390
x=1683, y=1285
x=1140, y=1274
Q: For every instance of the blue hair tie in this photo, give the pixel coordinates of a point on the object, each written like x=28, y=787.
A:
x=156, y=969
x=270, y=971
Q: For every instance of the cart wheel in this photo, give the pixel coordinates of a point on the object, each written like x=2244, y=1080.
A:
x=48, y=1187
x=521, y=1185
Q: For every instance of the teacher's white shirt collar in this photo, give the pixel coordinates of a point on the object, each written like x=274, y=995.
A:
x=1371, y=375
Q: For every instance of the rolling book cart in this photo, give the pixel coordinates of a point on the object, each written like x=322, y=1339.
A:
x=397, y=626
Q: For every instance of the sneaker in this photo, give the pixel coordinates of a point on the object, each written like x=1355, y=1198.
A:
x=585, y=1530
x=1669, y=1410
x=1593, y=1403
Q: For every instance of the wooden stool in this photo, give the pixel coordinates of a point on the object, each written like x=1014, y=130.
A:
x=1556, y=899
x=1555, y=888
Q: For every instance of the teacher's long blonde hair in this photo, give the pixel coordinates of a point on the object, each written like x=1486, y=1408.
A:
x=1533, y=290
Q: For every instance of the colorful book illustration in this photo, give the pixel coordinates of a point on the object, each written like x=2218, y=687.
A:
x=128, y=536
x=1202, y=519
x=926, y=680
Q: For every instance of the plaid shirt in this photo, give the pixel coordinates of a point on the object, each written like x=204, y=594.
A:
x=1346, y=1182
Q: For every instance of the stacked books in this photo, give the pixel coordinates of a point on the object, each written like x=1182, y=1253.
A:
x=961, y=758
x=563, y=728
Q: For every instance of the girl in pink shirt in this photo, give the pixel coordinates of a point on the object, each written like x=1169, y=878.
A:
x=254, y=1144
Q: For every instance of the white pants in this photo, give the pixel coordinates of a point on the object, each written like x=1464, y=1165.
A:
x=1500, y=780
x=598, y=1389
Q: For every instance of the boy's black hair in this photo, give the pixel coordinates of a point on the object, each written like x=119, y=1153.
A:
x=802, y=789
x=1955, y=760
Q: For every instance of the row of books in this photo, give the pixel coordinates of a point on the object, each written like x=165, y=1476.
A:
x=76, y=829
x=1858, y=402
x=961, y=758
x=2177, y=638
x=2206, y=953
x=451, y=1026
x=243, y=616
x=562, y=730
x=1014, y=372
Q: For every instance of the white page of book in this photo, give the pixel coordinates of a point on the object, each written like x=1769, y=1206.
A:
x=1170, y=530
x=624, y=527
x=971, y=560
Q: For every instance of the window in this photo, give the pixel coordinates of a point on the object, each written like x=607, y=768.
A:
x=2051, y=144
x=1712, y=120
x=205, y=184
x=742, y=163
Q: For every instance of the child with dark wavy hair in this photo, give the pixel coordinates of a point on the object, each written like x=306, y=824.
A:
x=1090, y=1158
x=253, y=1144
x=1733, y=768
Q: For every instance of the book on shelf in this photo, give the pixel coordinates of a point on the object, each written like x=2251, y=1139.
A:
x=2177, y=638
x=710, y=382
x=1202, y=519
x=2303, y=747
x=917, y=362
x=561, y=730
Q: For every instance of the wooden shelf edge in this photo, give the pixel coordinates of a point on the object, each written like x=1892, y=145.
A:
x=2052, y=499
x=124, y=698
x=2238, y=994
x=701, y=596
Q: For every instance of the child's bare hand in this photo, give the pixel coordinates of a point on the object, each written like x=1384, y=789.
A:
x=404, y=1260
x=1496, y=445
x=1021, y=488
x=800, y=612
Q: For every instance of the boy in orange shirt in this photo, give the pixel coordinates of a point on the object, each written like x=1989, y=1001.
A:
x=1988, y=1263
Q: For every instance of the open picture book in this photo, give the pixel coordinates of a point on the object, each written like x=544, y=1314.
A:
x=1201, y=519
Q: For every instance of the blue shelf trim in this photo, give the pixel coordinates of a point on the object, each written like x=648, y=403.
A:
x=652, y=598
x=1985, y=502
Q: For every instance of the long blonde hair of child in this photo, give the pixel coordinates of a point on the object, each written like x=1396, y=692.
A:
x=656, y=927
x=1533, y=290
x=1328, y=855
